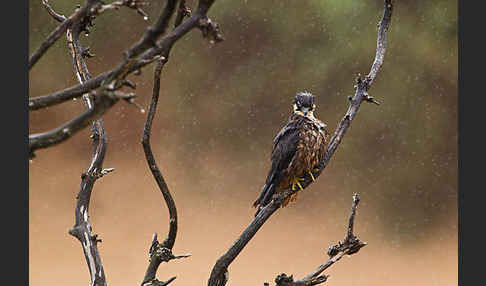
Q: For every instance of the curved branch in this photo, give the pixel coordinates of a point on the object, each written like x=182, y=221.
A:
x=219, y=273
x=159, y=252
x=58, y=17
x=169, y=242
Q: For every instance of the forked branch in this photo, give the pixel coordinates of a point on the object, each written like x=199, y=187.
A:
x=350, y=245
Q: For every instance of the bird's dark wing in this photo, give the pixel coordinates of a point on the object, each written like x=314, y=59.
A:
x=284, y=148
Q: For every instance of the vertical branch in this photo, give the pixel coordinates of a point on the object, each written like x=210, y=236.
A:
x=170, y=240
x=159, y=252
x=350, y=235
x=82, y=229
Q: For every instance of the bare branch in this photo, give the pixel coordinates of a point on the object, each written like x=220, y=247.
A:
x=380, y=43
x=58, y=17
x=101, y=103
x=350, y=245
x=82, y=229
x=169, y=242
x=132, y=4
x=54, y=36
x=67, y=94
x=219, y=273
x=159, y=252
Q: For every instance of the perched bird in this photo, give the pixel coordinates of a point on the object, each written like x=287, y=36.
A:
x=297, y=149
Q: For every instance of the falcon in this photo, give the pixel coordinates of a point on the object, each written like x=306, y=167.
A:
x=297, y=149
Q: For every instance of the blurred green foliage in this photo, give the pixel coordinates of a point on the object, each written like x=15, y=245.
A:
x=232, y=98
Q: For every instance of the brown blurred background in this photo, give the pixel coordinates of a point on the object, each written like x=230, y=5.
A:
x=220, y=107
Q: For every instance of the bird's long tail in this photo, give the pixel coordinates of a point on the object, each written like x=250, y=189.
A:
x=260, y=197
x=265, y=196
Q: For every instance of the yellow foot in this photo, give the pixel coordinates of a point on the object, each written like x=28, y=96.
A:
x=295, y=183
x=312, y=176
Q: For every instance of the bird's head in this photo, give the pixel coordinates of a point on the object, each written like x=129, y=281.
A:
x=304, y=104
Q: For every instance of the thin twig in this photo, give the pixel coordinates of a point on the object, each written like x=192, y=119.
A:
x=58, y=17
x=219, y=273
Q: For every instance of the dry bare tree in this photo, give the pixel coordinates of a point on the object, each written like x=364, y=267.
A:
x=102, y=92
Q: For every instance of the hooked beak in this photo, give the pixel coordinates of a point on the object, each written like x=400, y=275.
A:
x=305, y=110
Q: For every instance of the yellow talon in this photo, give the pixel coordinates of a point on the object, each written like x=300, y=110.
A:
x=293, y=185
x=296, y=182
x=312, y=176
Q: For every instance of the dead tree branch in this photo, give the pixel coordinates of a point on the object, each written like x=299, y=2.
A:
x=58, y=17
x=350, y=245
x=219, y=273
x=159, y=252
x=82, y=229
x=132, y=4
x=101, y=103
